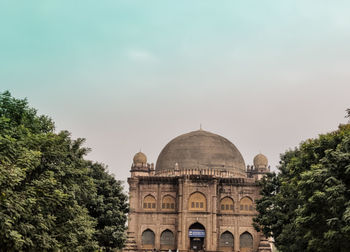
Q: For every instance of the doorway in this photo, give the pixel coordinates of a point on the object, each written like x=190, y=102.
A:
x=196, y=234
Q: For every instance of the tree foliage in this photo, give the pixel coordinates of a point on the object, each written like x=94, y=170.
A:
x=306, y=206
x=51, y=198
x=108, y=207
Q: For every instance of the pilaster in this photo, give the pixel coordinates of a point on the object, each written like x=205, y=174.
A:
x=214, y=230
x=181, y=230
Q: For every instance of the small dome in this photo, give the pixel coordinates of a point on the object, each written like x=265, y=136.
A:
x=260, y=160
x=140, y=158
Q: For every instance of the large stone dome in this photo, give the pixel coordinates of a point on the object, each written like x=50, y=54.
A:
x=201, y=150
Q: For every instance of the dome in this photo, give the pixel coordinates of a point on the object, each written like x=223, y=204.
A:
x=140, y=158
x=200, y=150
x=260, y=160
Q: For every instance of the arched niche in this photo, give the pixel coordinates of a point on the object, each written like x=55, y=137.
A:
x=226, y=205
x=197, y=202
x=167, y=240
x=226, y=240
x=149, y=203
x=168, y=203
x=148, y=238
x=246, y=205
x=246, y=242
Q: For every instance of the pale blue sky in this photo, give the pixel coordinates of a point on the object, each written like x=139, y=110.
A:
x=135, y=74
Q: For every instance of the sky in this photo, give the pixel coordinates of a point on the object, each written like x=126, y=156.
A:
x=132, y=75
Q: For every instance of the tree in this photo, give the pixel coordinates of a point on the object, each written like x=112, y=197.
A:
x=306, y=206
x=109, y=208
x=46, y=185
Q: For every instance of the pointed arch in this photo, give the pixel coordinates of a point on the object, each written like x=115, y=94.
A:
x=149, y=202
x=168, y=203
x=167, y=240
x=226, y=239
x=246, y=242
x=197, y=234
x=197, y=202
x=148, y=238
x=196, y=225
x=226, y=205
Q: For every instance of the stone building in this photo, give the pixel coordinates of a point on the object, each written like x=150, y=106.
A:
x=199, y=197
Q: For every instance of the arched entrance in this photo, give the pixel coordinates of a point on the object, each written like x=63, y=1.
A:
x=196, y=233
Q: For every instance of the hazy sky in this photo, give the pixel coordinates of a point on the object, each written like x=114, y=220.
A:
x=131, y=75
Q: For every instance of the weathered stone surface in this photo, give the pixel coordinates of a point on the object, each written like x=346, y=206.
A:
x=200, y=150
x=196, y=194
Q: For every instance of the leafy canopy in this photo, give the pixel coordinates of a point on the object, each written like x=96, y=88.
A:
x=306, y=206
x=51, y=198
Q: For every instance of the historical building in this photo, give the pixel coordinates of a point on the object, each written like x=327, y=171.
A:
x=199, y=197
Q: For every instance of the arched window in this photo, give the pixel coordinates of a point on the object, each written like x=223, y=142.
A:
x=246, y=242
x=148, y=238
x=167, y=240
x=226, y=239
x=246, y=205
x=168, y=203
x=226, y=205
x=197, y=202
x=149, y=203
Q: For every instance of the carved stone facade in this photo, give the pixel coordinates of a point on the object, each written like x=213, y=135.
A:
x=203, y=208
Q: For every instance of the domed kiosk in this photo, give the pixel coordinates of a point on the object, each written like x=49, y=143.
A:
x=260, y=161
x=199, y=197
x=140, y=158
x=201, y=150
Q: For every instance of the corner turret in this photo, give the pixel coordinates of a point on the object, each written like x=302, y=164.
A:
x=140, y=167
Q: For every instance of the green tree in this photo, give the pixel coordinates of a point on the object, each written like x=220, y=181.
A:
x=45, y=185
x=306, y=206
x=109, y=207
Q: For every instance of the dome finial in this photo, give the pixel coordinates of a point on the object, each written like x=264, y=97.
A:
x=200, y=126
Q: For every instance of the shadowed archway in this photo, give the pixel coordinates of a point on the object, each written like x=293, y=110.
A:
x=196, y=233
